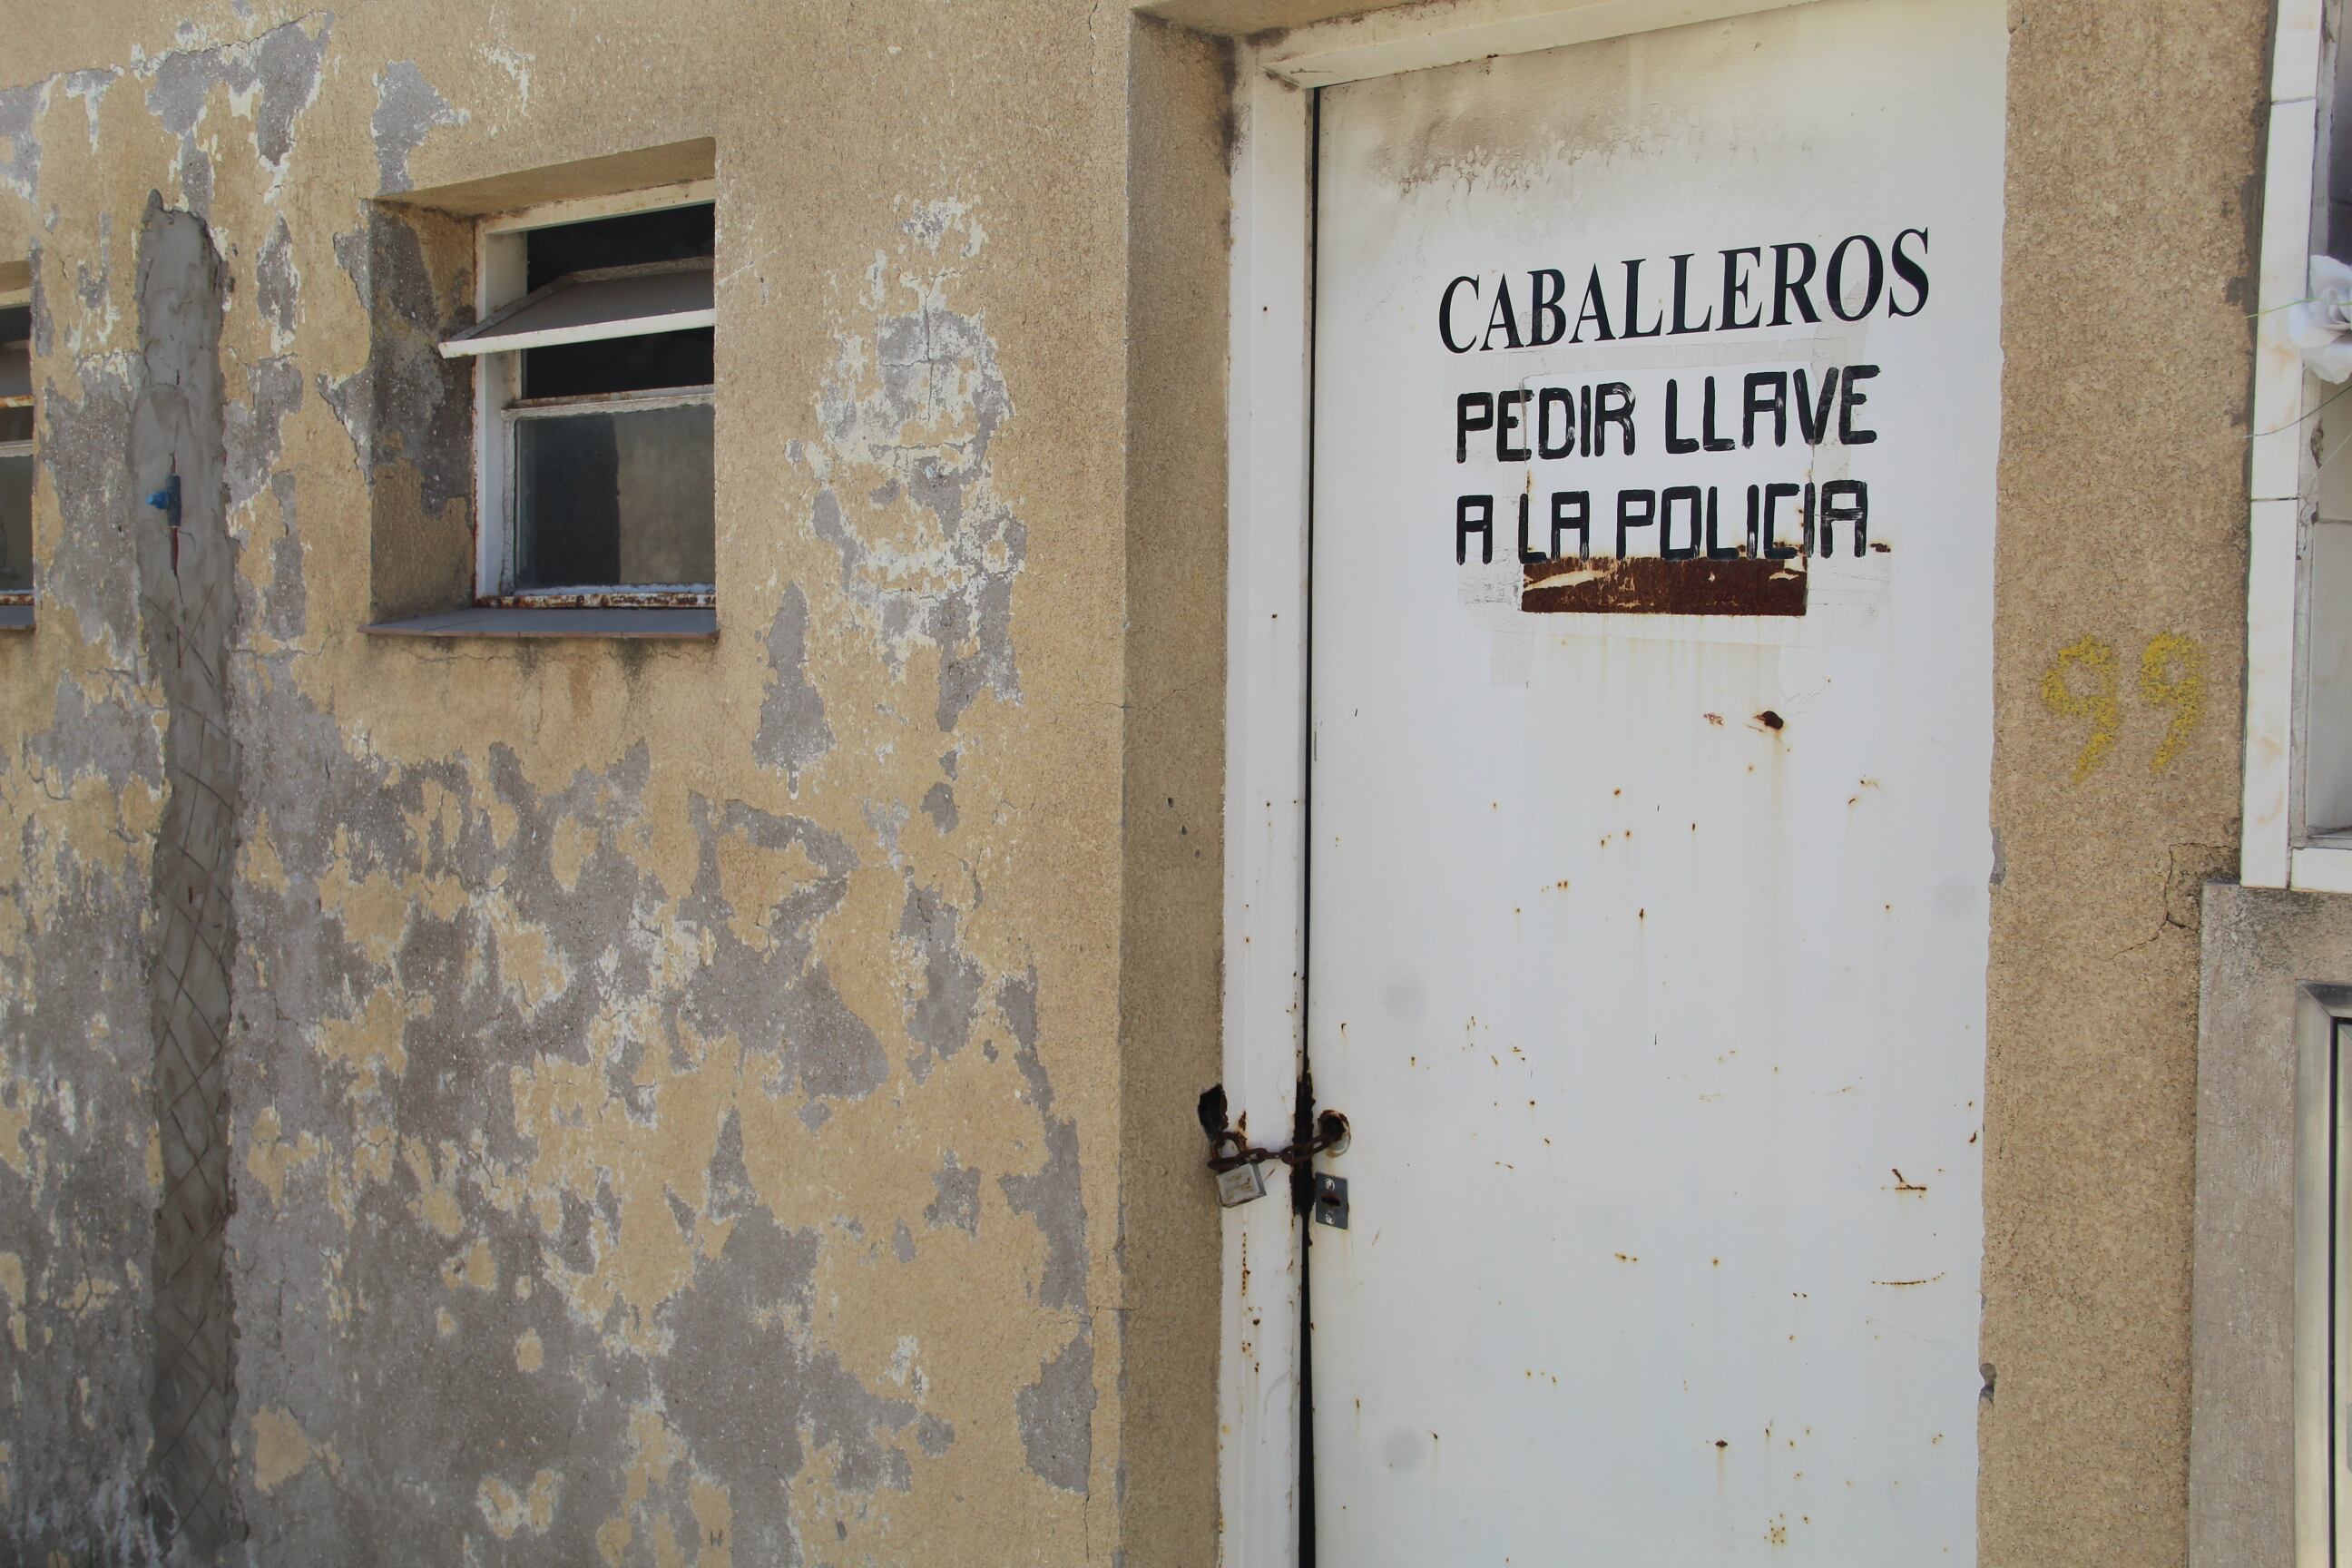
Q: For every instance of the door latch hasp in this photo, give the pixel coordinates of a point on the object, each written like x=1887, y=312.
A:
x=1330, y=1201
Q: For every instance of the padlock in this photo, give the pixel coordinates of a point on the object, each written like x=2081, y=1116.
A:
x=1242, y=1183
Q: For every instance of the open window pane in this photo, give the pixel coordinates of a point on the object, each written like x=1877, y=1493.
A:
x=17, y=523
x=610, y=496
x=593, y=307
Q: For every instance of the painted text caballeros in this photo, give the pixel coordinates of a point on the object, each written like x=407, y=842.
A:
x=1738, y=290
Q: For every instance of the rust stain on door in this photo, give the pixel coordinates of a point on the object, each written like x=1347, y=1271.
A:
x=1652, y=586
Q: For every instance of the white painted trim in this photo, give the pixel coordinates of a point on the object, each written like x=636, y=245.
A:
x=1265, y=800
x=2280, y=466
x=2338, y=1301
x=2297, y=56
x=610, y=403
x=2318, y=1110
x=586, y=332
x=2271, y=570
x=1448, y=32
x=2320, y=868
x=501, y=274
x=484, y=337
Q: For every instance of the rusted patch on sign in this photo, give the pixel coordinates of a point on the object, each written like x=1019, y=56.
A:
x=1652, y=585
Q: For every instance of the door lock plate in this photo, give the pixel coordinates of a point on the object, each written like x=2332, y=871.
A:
x=1330, y=1201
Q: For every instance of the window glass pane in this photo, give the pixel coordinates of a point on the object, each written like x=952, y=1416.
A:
x=613, y=497
x=15, y=424
x=647, y=363
x=17, y=523
x=626, y=241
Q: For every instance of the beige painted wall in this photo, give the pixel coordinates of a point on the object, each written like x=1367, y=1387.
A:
x=2135, y=141
x=701, y=1102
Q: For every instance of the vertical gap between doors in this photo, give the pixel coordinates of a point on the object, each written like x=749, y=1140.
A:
x=1302, y=1176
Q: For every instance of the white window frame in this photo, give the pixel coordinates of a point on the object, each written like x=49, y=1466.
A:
x=2323, y=1276
x=10, y=299
x=501, y=272
x=2276, y=848
x=1268, y=405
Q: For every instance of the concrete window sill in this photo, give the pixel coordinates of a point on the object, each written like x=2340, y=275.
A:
x=690, y=623
x=16, y=617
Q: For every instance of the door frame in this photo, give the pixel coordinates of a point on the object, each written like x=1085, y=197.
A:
x=1269, y=425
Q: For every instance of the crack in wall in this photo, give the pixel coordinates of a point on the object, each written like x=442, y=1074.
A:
x=187, y=609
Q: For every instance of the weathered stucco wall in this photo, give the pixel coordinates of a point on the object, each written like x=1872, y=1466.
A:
x=675, y=1093
x=1172, y=987
x=2135, y=141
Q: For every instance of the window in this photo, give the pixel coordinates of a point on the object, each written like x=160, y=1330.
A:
x=594, y=378
x=2296, y=804
x=15, y=458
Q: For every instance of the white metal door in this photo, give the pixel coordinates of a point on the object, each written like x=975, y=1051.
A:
x=1648, y=901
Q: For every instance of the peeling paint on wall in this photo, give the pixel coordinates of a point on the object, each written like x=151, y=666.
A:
x=928, y=550
x=792, y=733
x=274, y=77
x=20, y=107
x=1056, y=1414
x=636, y=1080
x=407, y=109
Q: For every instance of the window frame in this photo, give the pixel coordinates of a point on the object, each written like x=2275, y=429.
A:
x=2322, y=1333
x=501, y=271
x=2279, y=847
x=16, y=602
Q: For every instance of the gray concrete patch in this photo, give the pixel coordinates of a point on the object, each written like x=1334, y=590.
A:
x=1056, y=1415
x=280, y=68
x=958, y=1202
x=793, y=733
x=277, y=286
x=188, y=599
x=408, y=107
x=940, y=1015
x=20, y=142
